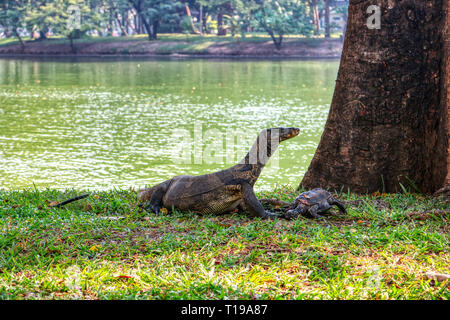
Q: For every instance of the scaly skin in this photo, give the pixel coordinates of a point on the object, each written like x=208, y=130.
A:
x=222, y=191
x=313, y=203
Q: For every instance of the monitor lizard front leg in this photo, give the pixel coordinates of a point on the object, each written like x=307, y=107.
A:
x=253, y=205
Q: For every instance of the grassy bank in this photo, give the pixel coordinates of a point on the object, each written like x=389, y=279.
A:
x=258, y=45
x=105, y=247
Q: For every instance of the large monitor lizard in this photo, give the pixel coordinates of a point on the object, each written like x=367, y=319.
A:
x=221, y=191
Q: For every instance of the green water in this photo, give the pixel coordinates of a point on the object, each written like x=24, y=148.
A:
x=100, y=124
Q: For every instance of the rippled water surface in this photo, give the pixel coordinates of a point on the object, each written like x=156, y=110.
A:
x=100, y=124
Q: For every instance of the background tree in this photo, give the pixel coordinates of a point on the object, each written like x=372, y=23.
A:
x=388, y=126
x=243, y=11
x=21, y=17
x=11, y=17
x=70, y=18
x=314, y=10
x=119, y=11
x=281, y=17
x=154, y=12
x=218, y=8
x=343, y=11
x=223, y=7
x=327, y=18
x=239, y=13
x=36, y=21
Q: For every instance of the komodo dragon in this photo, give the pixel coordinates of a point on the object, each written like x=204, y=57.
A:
x=221, y=191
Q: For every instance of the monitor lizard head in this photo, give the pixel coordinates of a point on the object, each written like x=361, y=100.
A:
x=270, y=139
x=267, y=143
x=285, y=133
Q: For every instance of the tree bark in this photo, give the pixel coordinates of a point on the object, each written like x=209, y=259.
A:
x=121, y=25
x=315, y=11
x=188, y=13
x=43, y=33
x=276, y=41
x=444, y=128
x=221, y=31
x=345, y=16
x=148, y=29
x=388, y=126
x=155, y=26
x=72, y=35
x=22, y=44
x=72, y=46
x=201, y=19
x=110, y=26
x=152, y=34
x=327, y=19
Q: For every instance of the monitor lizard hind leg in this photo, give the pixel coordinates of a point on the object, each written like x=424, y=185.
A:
x=156, y=200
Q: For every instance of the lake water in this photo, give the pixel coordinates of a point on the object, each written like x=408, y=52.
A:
x=103, y=123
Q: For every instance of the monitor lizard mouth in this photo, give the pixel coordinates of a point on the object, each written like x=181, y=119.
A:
x=267, y=143
x=287, y=133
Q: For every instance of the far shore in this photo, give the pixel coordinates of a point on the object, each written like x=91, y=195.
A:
x=174, y=46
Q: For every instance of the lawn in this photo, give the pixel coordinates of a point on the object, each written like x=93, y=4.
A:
x=106, y=247
x=182, y=39
x=249, y=37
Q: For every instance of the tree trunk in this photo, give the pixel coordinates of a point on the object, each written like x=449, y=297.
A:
x=388, y=126
x=327, y=20
x=188, y=13
x=316, y=19
x=22, y=44
x=204, y=24
x=43, y=33
x=221, y=31
x=110, y=25
x=121, y=25
x=142, y=25
x=142, y=22
x=201, y=19
x=125, y=21
x=72, y=45
x=147, y=27
x=155, y=26
x=443, y=132
x=133, y=23
x=276, y=41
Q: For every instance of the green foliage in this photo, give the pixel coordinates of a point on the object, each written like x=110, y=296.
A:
x=11, y=16
x=186, y=25
x=70, y=18
x=155, y=12
x=11, y=13
x=161, y=10
x=276, y=17
x=236, y=14
x=282, y=17
x=35, y=17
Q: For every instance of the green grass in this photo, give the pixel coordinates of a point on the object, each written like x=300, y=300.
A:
x=105, y=247
x=191, y=39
